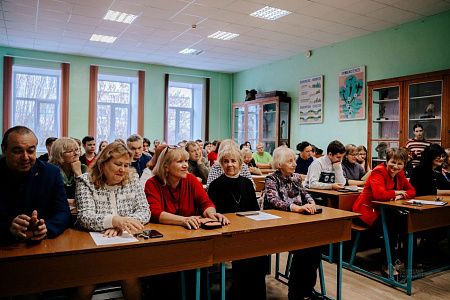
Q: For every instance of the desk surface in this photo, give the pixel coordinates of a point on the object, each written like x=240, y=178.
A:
x=341, y=200
x=402, y=203
x=73, y=259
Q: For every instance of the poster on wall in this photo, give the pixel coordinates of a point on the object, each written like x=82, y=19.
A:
x=352, y=94
x=310, y=100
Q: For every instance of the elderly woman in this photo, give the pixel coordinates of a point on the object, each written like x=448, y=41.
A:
x=66, y=155
x=176, y=196
x=111, y=199
x=284, y=191
x=247, y=156
x=231, y=193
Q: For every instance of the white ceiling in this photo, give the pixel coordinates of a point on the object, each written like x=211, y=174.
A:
x=163, y=28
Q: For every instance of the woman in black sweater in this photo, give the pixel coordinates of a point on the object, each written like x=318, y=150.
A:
x=234, y=193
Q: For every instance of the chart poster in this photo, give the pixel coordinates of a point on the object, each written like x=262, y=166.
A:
x=310, y=100
x=352, y=93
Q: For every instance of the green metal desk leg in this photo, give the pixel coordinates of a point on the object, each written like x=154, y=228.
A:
x=197, y=284
x=339, y=273
x=387, y=245
x=222, y=281
x=409, y=267
x=183, y=285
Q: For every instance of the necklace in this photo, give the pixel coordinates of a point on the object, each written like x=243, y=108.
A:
x=237, y=201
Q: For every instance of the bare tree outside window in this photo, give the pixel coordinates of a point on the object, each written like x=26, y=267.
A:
x=36, y=101
x=180, y=115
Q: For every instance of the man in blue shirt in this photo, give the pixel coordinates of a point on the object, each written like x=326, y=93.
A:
x=140, y=160
x=33, y=202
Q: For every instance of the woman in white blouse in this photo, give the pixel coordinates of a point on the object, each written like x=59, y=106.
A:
x=111, y=199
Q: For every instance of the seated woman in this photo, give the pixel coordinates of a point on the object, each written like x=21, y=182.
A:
x=102, y=146
x=446, y=165
x=234, y=193
x=361, y=158
x=427, y=177
x=66, y=155
x=110, y=199
x=175, y=196
x=284, y=191
x=387, y=182
x=249, y=161
x=352, y=170
x=305, y=157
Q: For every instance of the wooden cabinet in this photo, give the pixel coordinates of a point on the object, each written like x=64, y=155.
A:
x=396, y=104
x=265, y=120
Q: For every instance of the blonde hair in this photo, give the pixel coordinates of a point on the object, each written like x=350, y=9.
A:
x=230, y=150
x=58, y=148
x=166, y=157
x=281, y=156
x=113, y=150
x=246, y=150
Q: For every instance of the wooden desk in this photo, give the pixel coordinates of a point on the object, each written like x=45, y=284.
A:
x=335, y=199
x=73, y=259
x=245, y=238
x=419, y=218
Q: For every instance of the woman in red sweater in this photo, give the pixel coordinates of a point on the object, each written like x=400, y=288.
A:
x=386, y=182
x=175, y=196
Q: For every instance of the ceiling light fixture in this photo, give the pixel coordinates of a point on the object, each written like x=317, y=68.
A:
x=191, y=51
x=103, y=38
x=118, y=16
x=270, y=13
x=223, y=35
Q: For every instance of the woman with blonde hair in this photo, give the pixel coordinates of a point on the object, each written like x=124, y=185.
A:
x=111, y=199
x=65, y=154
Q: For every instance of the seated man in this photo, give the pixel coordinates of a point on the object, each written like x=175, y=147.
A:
x=139, y=161
x=89, y=151
x=33, y=202
x=262, y=158
x=326, y=172
x=48, y=145
x=198, y=165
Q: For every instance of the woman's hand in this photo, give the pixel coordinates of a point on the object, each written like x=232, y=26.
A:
x=76, y=168
x=400, y=195
x=218, y=217
x=112, y=232
x=192, y=222
x=127, y=224
x=309, y=208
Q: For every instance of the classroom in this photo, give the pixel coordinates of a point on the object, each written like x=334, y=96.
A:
x=324, y=75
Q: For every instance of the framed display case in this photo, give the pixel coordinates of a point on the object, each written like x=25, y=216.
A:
x=396, y=104
x=265, y=120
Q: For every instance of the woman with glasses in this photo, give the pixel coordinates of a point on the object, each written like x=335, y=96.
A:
x=427, y=177
x=284, y=191
x=65, y=154
x=110, y=199
x=361, y=157
x=175, y=196
x=352, y=170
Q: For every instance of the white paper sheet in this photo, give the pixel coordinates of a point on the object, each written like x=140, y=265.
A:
x=101, y=240
x=438, y=203
x=263, y=216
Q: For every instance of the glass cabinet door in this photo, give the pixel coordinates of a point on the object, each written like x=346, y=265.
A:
x=239, y=125
x=284, y=123
x=253, y=125
x=385, y=122
x=425, y=107
x=269, y=126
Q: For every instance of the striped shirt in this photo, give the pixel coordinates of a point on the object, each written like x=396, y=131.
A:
x=415, y=148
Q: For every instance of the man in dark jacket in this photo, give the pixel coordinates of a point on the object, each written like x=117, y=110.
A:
x=33, y=202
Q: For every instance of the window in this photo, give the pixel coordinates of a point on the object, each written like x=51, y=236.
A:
x=36, y=101
x=116, y=107
x=185, y=110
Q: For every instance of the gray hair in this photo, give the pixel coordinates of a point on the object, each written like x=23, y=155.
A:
x=281, y=156
x=230, y=150
x=58, y=148
x=134, y=138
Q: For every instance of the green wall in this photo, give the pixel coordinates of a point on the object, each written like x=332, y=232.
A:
x=220, y=116
x=416, y=47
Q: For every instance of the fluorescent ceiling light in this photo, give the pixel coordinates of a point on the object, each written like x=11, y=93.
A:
x=118, y=16
x=191, y=51
x=223, y=35
x=103, y=38
x=270, y=13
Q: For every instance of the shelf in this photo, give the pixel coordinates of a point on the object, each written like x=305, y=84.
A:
x=425, y=97
x=385, y=140
x=425, y=119
x=384, y=121
x=385, y=100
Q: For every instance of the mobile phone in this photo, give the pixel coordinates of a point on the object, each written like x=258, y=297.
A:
x=247, y=213
x=318, y=211
x=153, y=233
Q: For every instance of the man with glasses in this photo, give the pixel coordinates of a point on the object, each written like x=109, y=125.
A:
x=262, y=158
x=33, y=202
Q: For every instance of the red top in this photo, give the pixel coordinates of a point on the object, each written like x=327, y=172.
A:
x=187, y=199
x=380, y=186
x=212, y=157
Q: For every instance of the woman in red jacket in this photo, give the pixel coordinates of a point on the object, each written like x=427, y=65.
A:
x=387, y=182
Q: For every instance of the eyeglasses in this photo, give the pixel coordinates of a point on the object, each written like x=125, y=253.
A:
x=170, y=147
x=72, y=151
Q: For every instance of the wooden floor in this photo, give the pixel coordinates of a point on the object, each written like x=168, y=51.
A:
x=434, y=287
